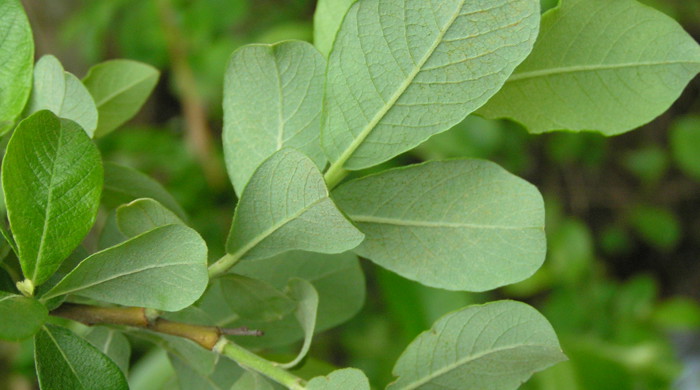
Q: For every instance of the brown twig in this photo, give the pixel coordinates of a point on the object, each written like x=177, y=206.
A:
x=206, y=336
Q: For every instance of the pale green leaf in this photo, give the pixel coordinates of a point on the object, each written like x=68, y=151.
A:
x=111, y=343
x=346, y=379
x=286, y=206
x=124, y=184
x=52, y=179
x=17, y=53
x=685, y=145
x=457, y=224
x=163, y=269
x=338, y=279
x=120, y=88
x=200, y=360
x=604, y=65
x=143, y=215
x=495, y=346
x=254, y=299
x=21, y=316
x=272, y=99
x=304, y=293
x=327, y=19
x=65, y=361
x=63, y=94
x=403, y=70
x=224, y=374
x=251, y=380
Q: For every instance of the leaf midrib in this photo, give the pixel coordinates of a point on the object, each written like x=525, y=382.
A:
x=591, y=68
x=58, y=347
x=367, y=130
x=433, y=224
x=107, y=98
x=467, y=360
x=272, y=229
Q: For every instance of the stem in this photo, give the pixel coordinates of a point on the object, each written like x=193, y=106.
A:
x=198, y=133
x=205, y=336
x=335, y=174
x=254, y=362
x=222, y=265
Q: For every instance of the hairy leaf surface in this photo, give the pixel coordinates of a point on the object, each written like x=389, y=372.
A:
x=65, y=361
x=604, y=65
x=254, y=299
x=327, y=19
x=495, y=346
x=52, y=179
x=163, y=269
x=401, y=71
x=119, y=87
x=272, y=99
x=458, y=225
x=17, y=53
x=286, y=206
x=63, y=94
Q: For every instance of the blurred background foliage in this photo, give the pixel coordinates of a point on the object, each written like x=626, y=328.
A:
x=621, y=283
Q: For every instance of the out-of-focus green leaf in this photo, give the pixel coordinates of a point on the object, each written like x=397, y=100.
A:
x=657, y=226
x=119, y=87
x=609, y=66
x=678, y=314
x=65, y=361
x=21, y=316
x=685, y=144
x=142, y=215
x=111, y=343
x=494, y=346
x=17, y=53
x=286, y=206
x=457, y=225
x=402, y=71
x=648, y=163
x=272, y=99
x=163, y=269
x=346, y=379
x=63, y=94
x=124, y=184
x=52, y=179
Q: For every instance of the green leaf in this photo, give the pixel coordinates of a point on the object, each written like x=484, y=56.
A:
x=63, y=94
x=286, y=206
x=52, y=178
x=272, y=99
x=657, y=226
x=223, y=376
x=201, y=361
x=65, y=361
x=338, y=279
x=457, y=225
x=251, y=380
x=254, y=299
x=17, y=53
x=603, y=65
x=495, y=346
x=143, y=215
x=120, y=88
x=327, y=19
x=685, y=143
x=124, y=184
x=307, y=306
x=163, y=269
x=21, y=316
x=111, y=343
x=346, y=379
x=401, y=71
